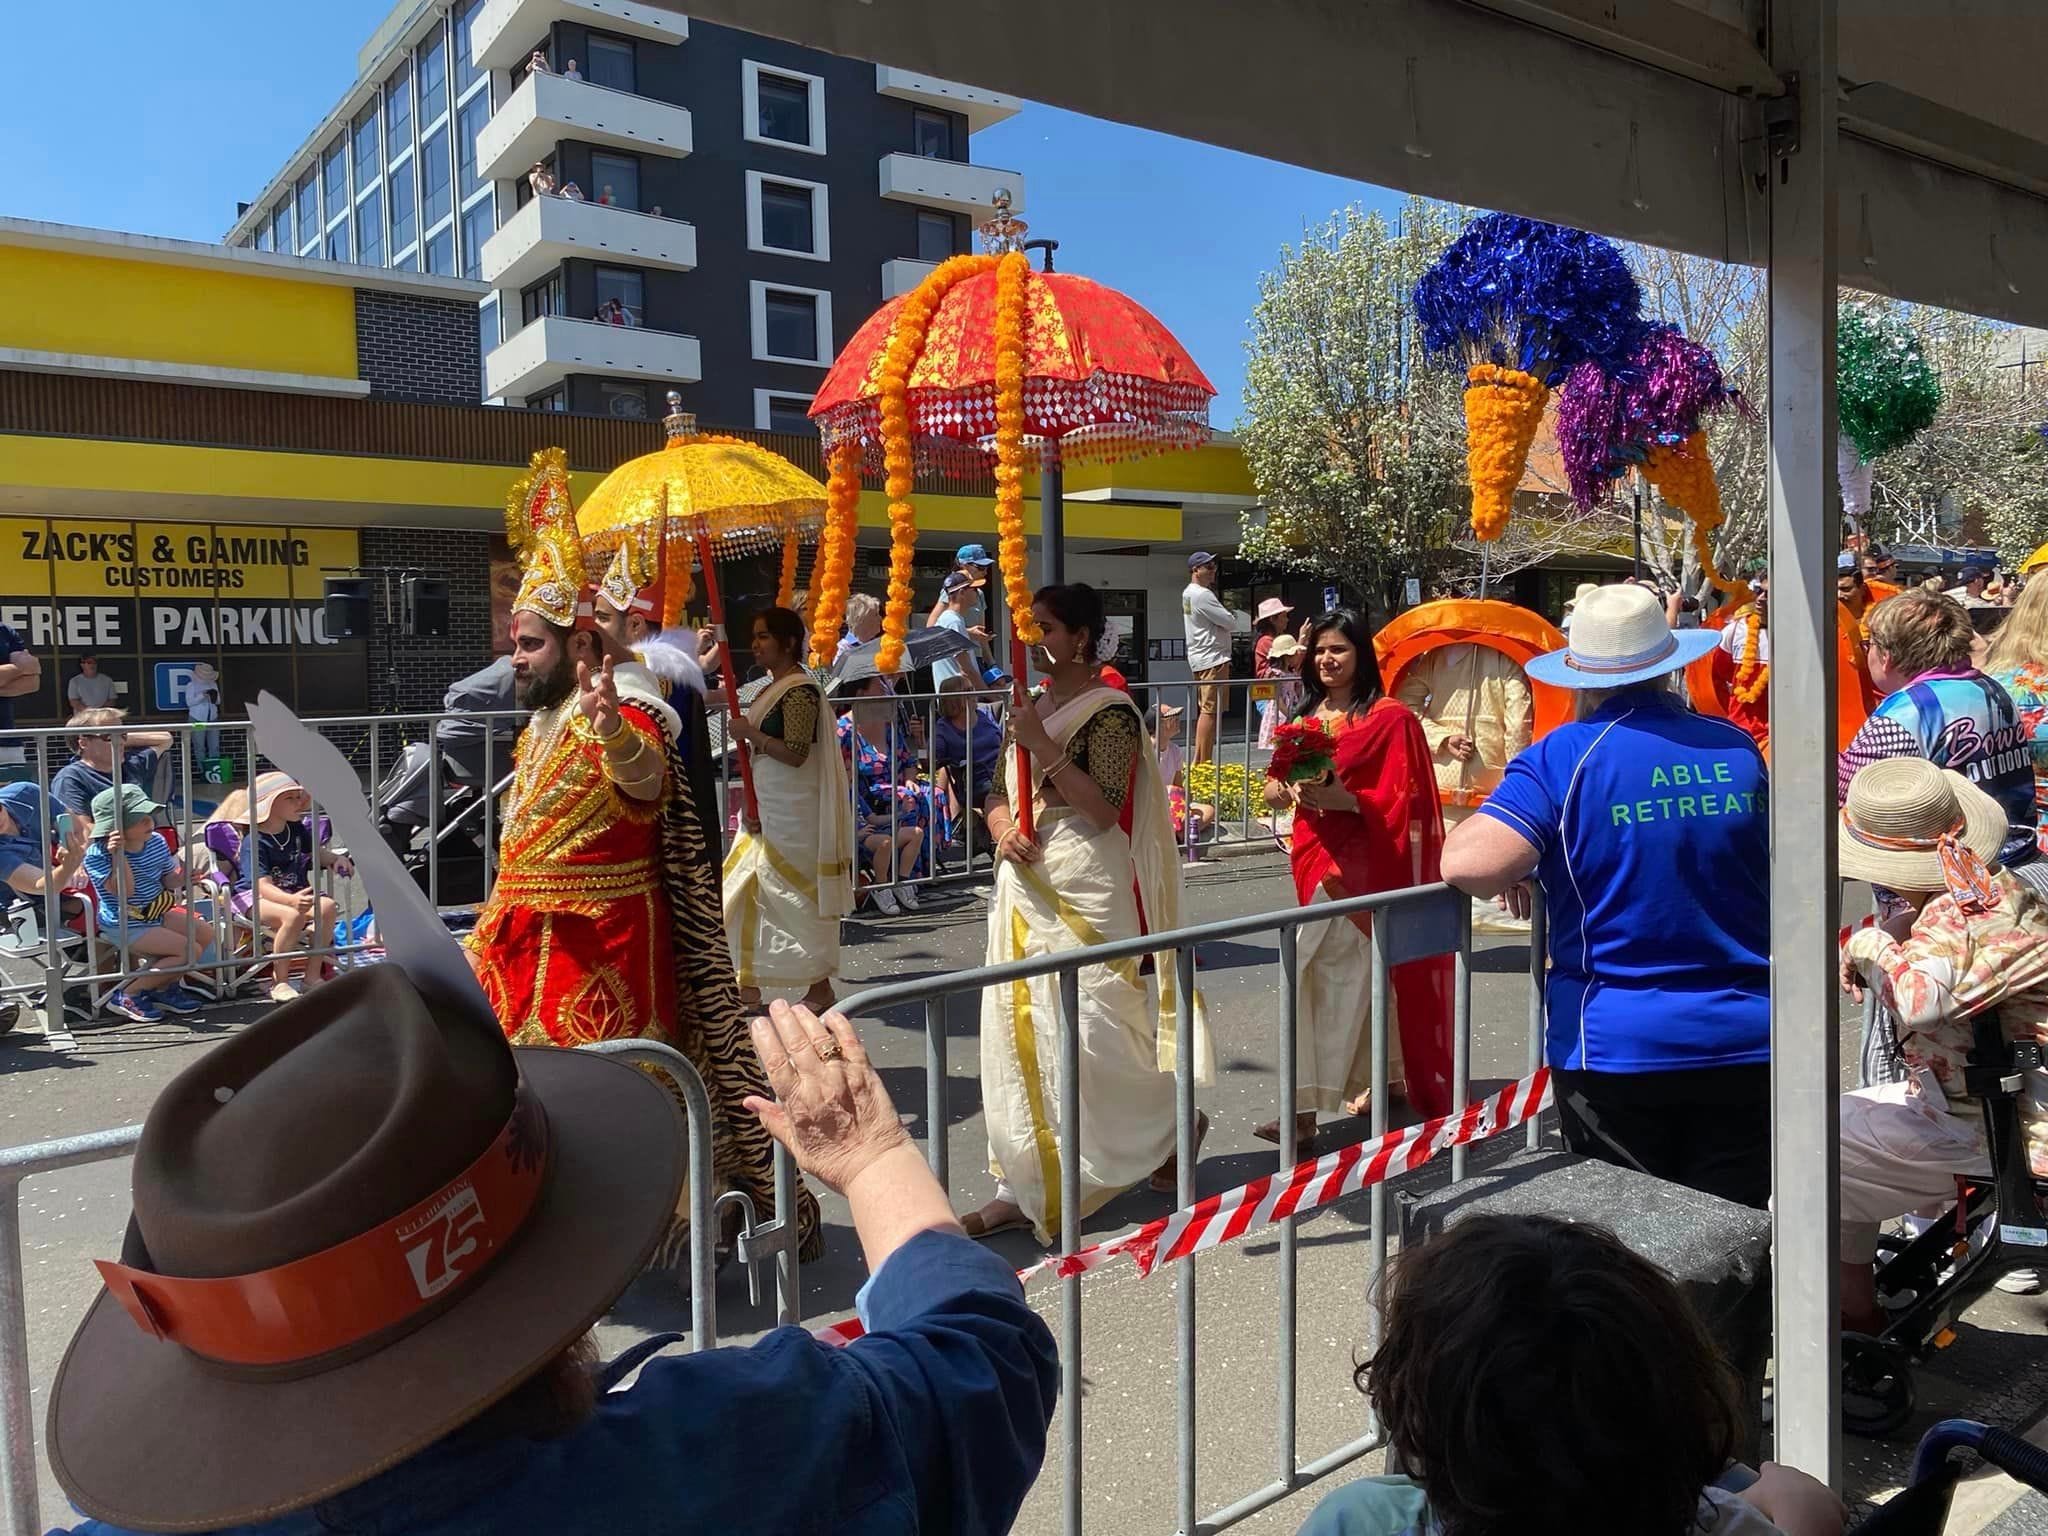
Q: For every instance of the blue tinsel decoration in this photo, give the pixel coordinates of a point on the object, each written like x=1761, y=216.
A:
x=1529, y=295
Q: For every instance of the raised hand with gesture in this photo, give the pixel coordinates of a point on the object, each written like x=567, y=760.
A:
x=598, y=697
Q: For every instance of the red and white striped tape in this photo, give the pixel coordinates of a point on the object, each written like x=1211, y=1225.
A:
x=1218, y=1219
x=1867, y=921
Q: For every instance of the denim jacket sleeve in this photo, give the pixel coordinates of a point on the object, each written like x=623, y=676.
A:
x=934, y=1422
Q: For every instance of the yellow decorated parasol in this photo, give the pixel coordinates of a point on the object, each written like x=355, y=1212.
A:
x=703, y=495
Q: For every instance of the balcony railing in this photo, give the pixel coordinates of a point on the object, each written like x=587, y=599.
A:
x=505, y=31
x=547, y=230
x=193, y=415
x=955, y=185
x=548, y=108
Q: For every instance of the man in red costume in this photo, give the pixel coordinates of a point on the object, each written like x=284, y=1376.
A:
x=605, y=921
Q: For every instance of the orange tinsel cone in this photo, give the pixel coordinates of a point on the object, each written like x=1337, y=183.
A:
x=1503, y=408
x=1684, y=475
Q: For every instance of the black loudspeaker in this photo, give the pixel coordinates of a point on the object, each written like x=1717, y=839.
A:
x=426, y=606
x=349, y=606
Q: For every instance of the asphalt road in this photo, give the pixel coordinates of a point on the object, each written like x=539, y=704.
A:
x=1997, y=1369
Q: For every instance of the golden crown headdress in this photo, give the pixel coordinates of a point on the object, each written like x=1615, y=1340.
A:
x=540, y=523
x=634, y=568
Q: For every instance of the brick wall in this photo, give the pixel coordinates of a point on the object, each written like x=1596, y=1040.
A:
x=427, y=667
x=416, y=348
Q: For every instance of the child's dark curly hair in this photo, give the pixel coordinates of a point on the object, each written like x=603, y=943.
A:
x=1539, y=1379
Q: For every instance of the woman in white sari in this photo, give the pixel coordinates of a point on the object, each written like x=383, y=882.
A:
x=786, y=879
x=1104, y=844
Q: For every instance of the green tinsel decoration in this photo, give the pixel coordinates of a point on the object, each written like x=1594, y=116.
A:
x=1886, y=388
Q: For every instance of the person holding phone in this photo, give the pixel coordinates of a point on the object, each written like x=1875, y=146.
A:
x=24, y=851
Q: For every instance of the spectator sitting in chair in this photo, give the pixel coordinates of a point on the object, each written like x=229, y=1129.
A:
x=964, y=784
x=91, y=773
x=134, y=871
x=25, y=850
x=1974, y=936
x=294, y=914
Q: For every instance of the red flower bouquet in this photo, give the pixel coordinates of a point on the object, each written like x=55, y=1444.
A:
x=1302, y=750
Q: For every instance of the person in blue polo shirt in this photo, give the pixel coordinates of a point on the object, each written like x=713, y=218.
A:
x=1647, y=828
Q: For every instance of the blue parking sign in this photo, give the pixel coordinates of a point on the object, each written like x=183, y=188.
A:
x=173, y=680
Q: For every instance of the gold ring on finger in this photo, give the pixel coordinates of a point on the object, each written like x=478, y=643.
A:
x=830, y=1051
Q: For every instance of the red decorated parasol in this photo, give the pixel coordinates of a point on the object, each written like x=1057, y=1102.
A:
x=982, y=357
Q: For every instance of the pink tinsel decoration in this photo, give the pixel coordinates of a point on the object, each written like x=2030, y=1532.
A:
x=1678, y=382
x=1590, y=431
x=1607, y=422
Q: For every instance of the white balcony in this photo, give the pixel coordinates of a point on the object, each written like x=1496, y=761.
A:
x=536, y=239
x=538, y=357
x=952, y=185
x=547, y=109
x=981, y=107
x=507, y=30
x=903, y=274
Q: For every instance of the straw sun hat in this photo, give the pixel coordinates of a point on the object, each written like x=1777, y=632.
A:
x=1900, y=812
x=1619, y=637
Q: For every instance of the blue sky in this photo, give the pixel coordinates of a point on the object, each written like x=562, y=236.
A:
x=160, y=136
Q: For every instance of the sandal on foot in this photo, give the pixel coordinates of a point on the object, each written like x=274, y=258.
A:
x=1304, y=1130
x=977, y=1226
x=1165, y=1178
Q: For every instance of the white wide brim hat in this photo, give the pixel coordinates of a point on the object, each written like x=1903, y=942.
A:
x=1619, y=637
x=1898, y=811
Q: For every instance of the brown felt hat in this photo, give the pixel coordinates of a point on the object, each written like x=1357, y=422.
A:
x=488, y=1206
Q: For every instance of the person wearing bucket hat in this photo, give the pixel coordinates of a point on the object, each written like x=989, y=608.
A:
x=1647, y=828
x=273, y=874
x=135, y=875
x=1284, y=658
x=1978, y=939
x=1571, y=607
x=1268, y=623
x=370, y=1239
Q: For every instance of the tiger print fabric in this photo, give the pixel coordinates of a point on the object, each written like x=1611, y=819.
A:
x=710, y=1026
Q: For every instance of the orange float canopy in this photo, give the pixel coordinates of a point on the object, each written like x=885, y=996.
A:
x=1514, y=631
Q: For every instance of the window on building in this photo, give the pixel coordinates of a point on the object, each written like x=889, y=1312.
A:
x=309, y=212
x=408, y=262
x=611, y=63
x=468, y=124
x=435, y=196
x=625, y=285
x=337, y=242
x=543, y=298
x=262, y=241
x=931, y=134
x=556, y=399
x=615, y=179
x=788, y=217
x=441, y=253
x=622, y=399
x=934, y=235
x=783, y=108
x=398, y=112
x=370, y=230
x=334, y=178
x=404, y=228
x=791, y=325
x=777, y=412
x=466, y=72
x=281, y=226
x=433, y=65
x=478, y=222
x=367, y=142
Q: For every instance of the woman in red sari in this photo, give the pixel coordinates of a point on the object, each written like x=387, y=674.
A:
x=1374, y=826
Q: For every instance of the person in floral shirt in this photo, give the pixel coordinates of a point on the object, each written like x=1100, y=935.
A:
x=2018, y=660
x=1972, y=937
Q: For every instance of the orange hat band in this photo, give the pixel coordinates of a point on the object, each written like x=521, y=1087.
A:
x=358, y=1288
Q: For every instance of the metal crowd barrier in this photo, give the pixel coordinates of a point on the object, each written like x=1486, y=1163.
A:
x=104, y=955
x=18, y=1427
x=1407, y=925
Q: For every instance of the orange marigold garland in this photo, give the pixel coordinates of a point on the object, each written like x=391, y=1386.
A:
x=1012, y=272
x=785, y=588
x=899, y=460
x=1683, y=474
x=1752, y=678
x=1503, y=408
x=833, y=579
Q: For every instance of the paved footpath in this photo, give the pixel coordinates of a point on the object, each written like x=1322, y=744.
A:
x=1998, y=1369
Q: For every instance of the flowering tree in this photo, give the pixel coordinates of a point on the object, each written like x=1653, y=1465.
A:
x=1356, y=444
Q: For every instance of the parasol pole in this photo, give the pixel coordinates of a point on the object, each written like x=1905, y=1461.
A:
x=732, y=677
x=1021, y=796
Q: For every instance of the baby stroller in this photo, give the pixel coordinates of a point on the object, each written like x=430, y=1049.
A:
x=405, y=810
x=1927, y=1281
